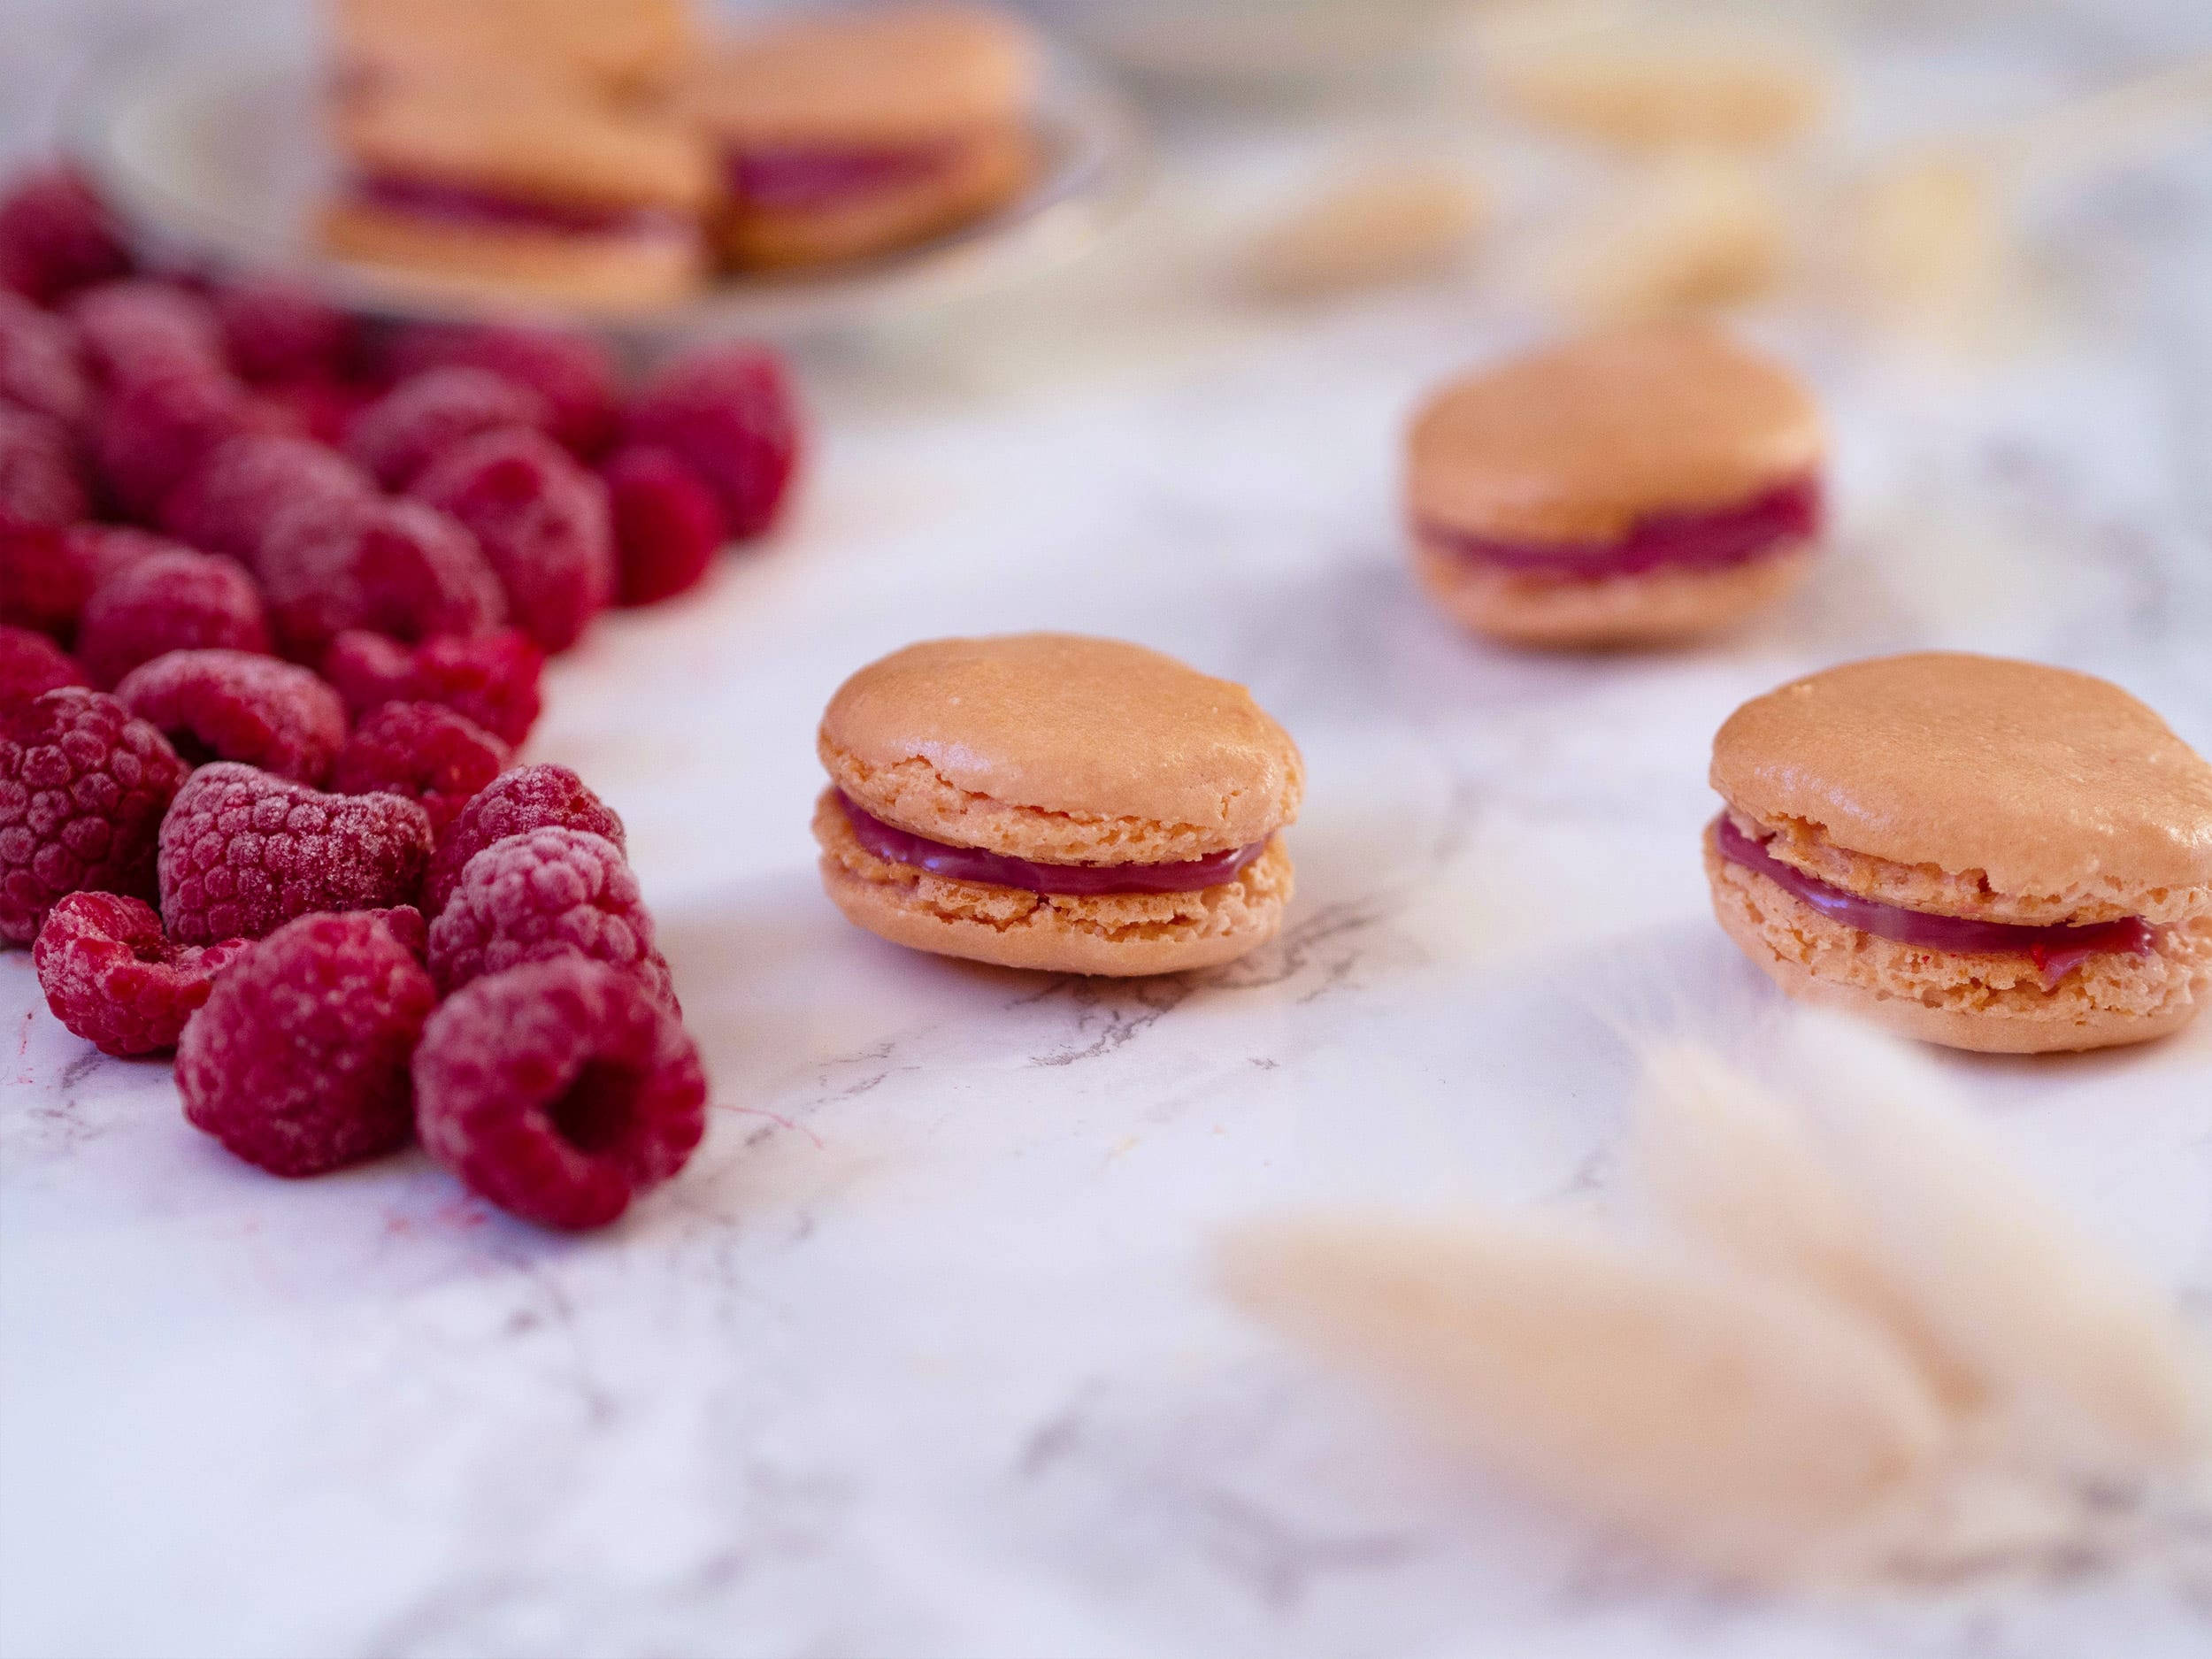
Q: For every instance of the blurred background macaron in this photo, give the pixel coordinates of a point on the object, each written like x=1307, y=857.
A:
x=614, y=48
x=1977, y=852
x=1056, y=801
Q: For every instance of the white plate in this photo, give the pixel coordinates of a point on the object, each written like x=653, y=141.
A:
x=206, y=138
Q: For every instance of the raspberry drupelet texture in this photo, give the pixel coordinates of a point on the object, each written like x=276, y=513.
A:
x=391, y=567
x=56, y=237
x=299, y=1060
x=40, y=484
x=169, y=602
x=232, y=706
x=543, y=796
x=729, y=414
x=152, y=431
x=242, y=852
x=278, y=331
x=408, y=926
x=112, y=977
x=83, y=787
x=545, y=893
x=46, y=575
x=423, y=751
x=41, y=366
x=560, y=1091
x=574, y=373
x=227, y=504
x=423, y=416
x=32, y=664
x=143, y=327
x=542, y=522
x=666, y=524
x=491, y=679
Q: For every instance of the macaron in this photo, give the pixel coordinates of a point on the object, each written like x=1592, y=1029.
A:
x=1636, y=487
x=519, y=191
x=852, y=133
x=606, y=48
x=1056, y=801
x=1977, y=852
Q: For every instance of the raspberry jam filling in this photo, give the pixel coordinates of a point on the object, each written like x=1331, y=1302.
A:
x=1710, y=539
x=897, y=846
x=2057, y=949
x=795, y=179
x=464, y=204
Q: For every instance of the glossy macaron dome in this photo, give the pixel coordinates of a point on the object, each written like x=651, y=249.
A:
x=1057, y=801
x=1983, y=852
x=1639, y=485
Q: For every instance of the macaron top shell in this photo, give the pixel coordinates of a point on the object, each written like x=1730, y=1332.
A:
x=1064, y=724
x=620, y=43
x=2046, y=781
x=907, y=76
x=1578, y=443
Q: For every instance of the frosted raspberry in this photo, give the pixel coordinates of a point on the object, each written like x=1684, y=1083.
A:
x=151, y=434
x=243, y=851
x=144, y=328
x=574, y=373
x=83, y=787
x=421, y=418
x=40, y=486
x=279, y=331
x=46, y=575
x=491, y=679
x=298, y=1062
x=423, y=751
x=112, y=976
x=227, y=503
x=167, y=602
x=321, y=410
x=232, y=705
x=729, y=414
x=528, y=798
x=545, y=893
x=55, y=236
x=40, y=365
x=31, y=664
x=392, y=567
x=666, y=524
x=559, y=1092
x=408, y=926
x=542, y=522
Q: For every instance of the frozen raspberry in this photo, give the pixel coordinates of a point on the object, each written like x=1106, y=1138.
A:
x=423, y=751
x=545, y=893
x=321, y=409
x=729, y=414
x=112, y=976
x=227, y=504
x=392, y=567
x=666, y=524
x=232, y=705
x=541, y=520
x=144, y=328
x=560, y=1091
x=40, y=486
x=491, y=679
x=152, y=433
x=55, y=236
x=279, y=331
x=177, y=601
x=83, y=787
x=41, y=368
x=421, y=418
x=46, y=575
x=528, y=798
x=409, y=927
x=243, y=851
x=31, y=664
x=574, y=373
x=299, y=1060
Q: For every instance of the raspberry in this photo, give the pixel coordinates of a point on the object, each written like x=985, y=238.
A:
x=46, y=575
x=177, y=601
x=40, y=366
x=491, y=679
x=423, y=751
x=321, y=409
x=394, y=567
x=729, y=414
x=232, y=705
x=112, y=976
x=407, y=927
x=55, y=236
x=298, y=1062
x=528, y=798
x=153, y=432
x=83, y=787
x=277, y=330
x=39, y=483
x=545, y=893
x=542, y=522
x=421, y=418
x=559, y=1092
x=574, y=373
x=31, y=664
x=143, y=328
x=243, y=851
x=666, y=524
x=227, y=503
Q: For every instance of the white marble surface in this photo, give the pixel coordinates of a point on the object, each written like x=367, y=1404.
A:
x=919, y=1356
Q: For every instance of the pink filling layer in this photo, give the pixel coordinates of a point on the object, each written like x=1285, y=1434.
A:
x=2058, y=949
x=1708, y=539
x=454, y=203
x=795, y=179
x=897, y=846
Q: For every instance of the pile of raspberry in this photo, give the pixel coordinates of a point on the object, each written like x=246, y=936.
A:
x=276, y=590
